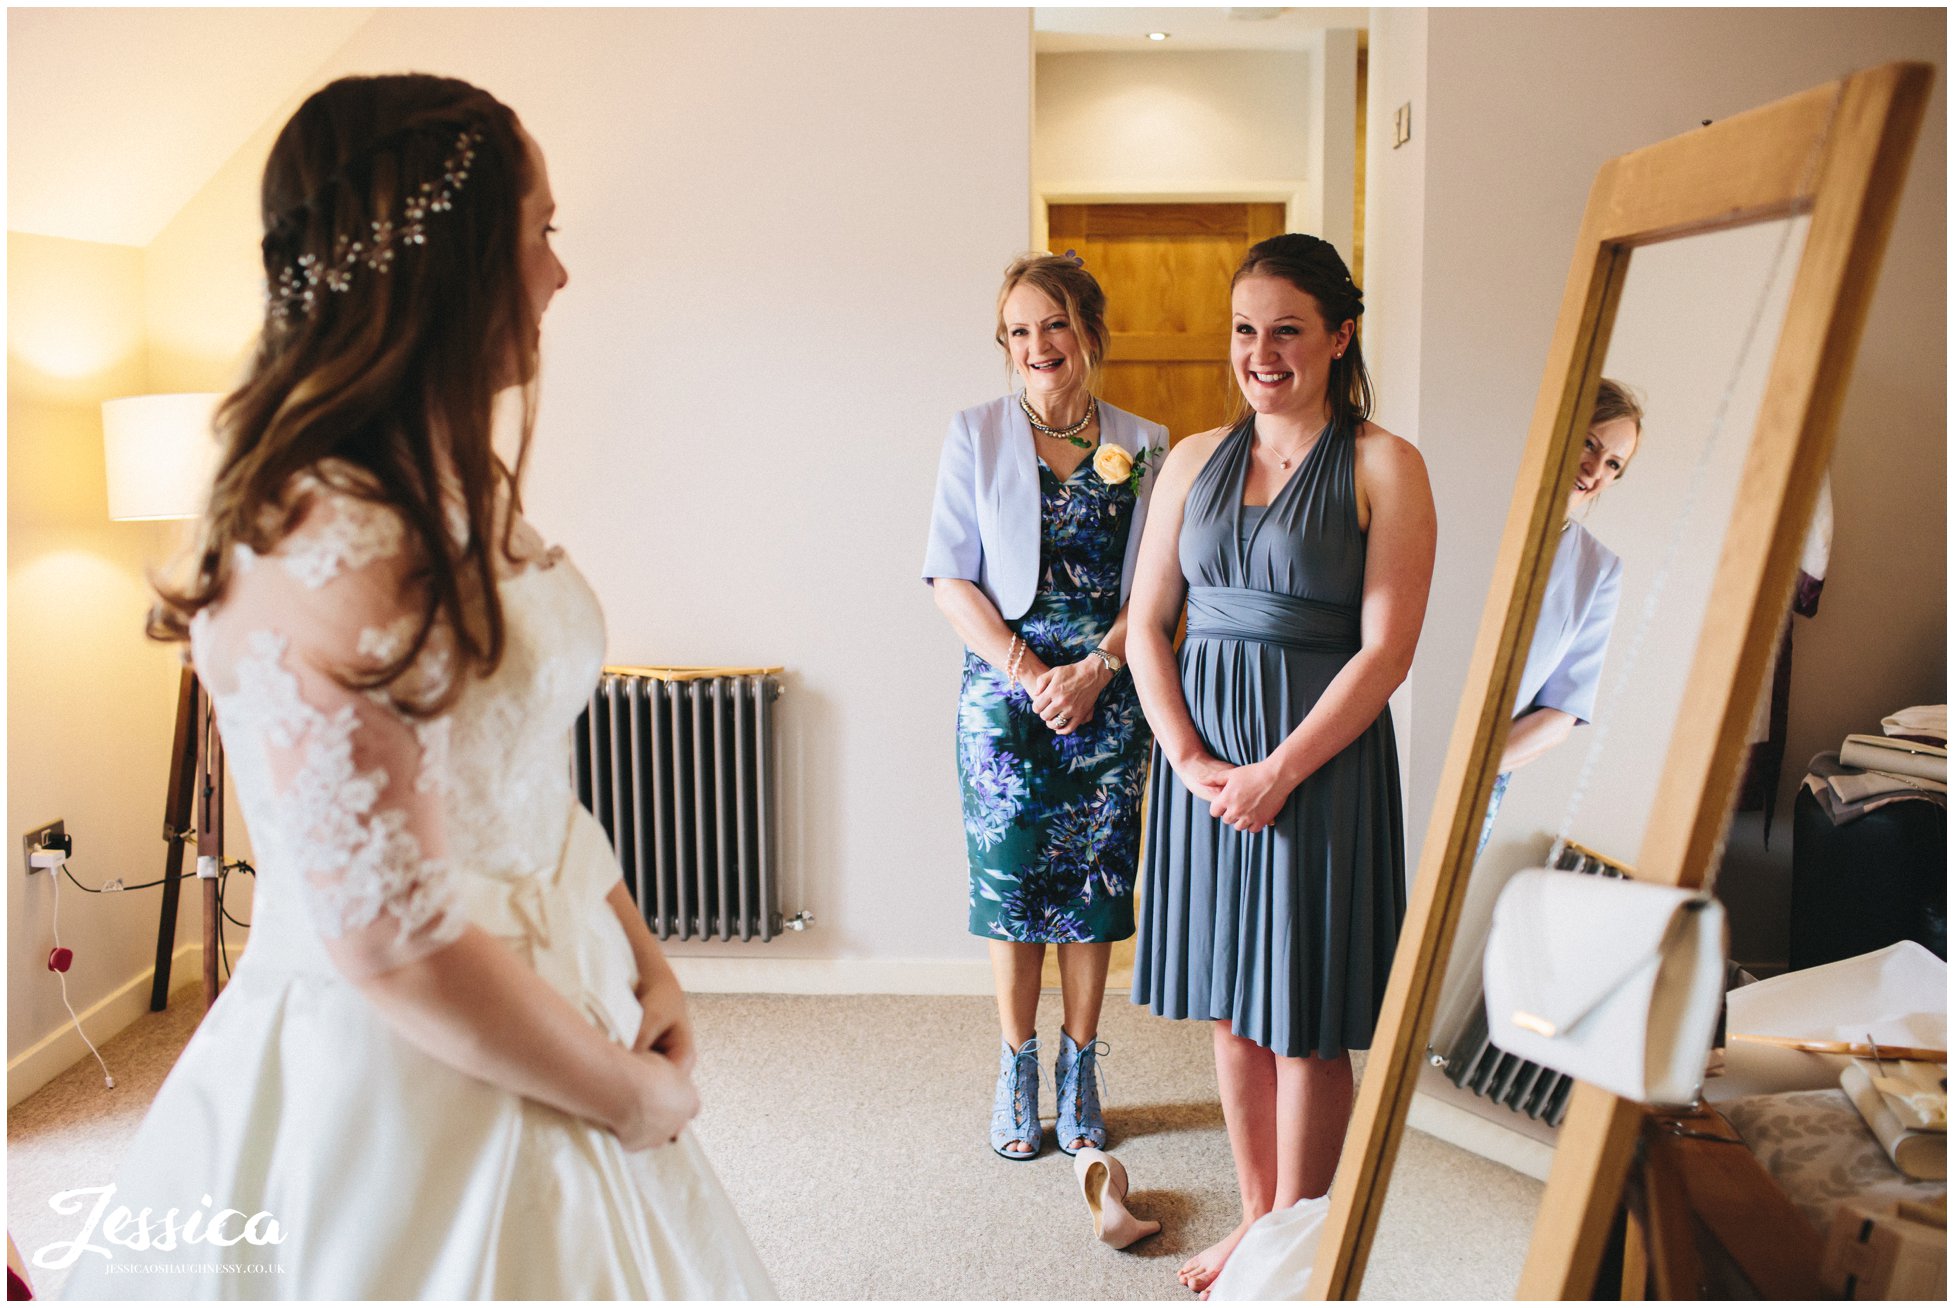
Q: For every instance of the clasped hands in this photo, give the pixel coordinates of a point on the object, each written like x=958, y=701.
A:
x=1065, y=696
x=1247, y=797
x=666, y=1045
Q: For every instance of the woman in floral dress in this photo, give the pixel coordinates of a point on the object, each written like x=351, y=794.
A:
x=1039, y=504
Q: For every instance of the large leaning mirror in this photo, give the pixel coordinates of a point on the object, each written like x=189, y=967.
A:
x=1809, y=185
x=1634, y=558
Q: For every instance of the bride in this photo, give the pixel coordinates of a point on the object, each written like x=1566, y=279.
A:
x=452, y=1063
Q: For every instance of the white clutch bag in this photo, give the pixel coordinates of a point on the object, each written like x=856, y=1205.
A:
x=1613, y=982
x=1908, y=758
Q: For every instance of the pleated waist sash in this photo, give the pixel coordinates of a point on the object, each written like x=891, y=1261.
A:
x=1241, y=613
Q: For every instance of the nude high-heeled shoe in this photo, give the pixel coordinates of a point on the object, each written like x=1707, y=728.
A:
x=1103, y=1182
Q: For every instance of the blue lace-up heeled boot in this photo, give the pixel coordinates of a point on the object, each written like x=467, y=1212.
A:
x=1014, y=1108
x=1079, y=1114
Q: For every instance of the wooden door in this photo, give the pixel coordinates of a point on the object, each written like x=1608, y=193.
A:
x=1165, y=269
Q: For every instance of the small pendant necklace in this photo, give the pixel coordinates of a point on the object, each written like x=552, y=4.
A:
x=1286, y=459
x=1062, y=433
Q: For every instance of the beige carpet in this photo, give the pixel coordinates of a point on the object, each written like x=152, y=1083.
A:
x=850, y=1132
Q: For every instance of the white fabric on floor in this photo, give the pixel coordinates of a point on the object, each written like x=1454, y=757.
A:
x=1275, y=1257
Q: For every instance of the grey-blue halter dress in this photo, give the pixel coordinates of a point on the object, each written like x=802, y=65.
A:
x=1287, y=933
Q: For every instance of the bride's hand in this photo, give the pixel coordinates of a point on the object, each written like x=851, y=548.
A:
x=662, y=1100
x=665, y=1028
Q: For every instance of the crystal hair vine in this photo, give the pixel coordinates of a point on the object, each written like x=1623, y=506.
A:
x=298, y=283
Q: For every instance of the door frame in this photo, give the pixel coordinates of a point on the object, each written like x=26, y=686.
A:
x=1298, y=213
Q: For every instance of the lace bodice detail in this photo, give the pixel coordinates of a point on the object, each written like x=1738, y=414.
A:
x=385, y=826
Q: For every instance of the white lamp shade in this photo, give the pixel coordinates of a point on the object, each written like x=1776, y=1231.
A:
x=162, y=455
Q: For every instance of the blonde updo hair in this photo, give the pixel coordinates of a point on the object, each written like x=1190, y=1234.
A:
x=1614, y=400
x=1076, y=293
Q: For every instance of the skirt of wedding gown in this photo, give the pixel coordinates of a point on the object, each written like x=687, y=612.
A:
x=390, y=1175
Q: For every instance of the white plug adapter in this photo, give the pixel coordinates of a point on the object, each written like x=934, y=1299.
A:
x=43, y=856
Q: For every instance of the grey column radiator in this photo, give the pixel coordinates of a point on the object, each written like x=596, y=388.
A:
x=1474, y=1063
x=676, y=764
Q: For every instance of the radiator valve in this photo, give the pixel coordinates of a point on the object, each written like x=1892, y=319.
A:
x=801, y=921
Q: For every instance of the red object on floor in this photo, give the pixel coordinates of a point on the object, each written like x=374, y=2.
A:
x=17, y=1288
x=60, y=958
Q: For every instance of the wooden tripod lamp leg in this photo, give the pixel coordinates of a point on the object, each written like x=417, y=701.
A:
x=178, y=803
x=195, y=793
x=210, y=839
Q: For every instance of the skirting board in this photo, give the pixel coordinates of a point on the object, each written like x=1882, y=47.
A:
x=60, y=1050
x=832, y=976
x=1475, y=1134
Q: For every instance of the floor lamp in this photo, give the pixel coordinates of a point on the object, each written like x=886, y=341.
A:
x=160, y=455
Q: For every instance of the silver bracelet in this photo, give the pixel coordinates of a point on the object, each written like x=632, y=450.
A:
x=1015, y=656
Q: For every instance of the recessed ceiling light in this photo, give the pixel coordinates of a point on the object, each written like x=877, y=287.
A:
x=1157, y=36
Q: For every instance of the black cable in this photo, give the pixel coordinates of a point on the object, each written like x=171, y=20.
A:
x=237, y=865
x=223, y=949
x=140, y=885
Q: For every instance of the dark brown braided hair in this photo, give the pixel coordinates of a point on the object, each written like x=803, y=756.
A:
x=1313, y=266
x=393, y=373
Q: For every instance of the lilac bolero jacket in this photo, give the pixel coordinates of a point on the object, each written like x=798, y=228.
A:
x=1563, y=669
x=985, y=524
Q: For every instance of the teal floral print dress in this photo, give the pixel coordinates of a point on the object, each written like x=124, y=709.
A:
x=1052, y=822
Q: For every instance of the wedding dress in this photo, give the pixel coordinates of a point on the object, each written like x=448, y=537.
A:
x=378, y=839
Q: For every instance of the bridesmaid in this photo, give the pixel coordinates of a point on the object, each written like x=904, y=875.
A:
x=1033, y=541
x=1301, y=540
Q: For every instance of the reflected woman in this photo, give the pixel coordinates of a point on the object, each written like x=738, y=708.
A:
x=1301, y=540
x=1033, y=539
x=1563, y=670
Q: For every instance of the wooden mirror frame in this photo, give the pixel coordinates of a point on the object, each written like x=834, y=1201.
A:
x=1838, y=152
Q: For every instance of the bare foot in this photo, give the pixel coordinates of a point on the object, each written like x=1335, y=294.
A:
x=1198, y=1272
x=1017, y=1146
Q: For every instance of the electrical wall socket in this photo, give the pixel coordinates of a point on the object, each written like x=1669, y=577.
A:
x=52, y=833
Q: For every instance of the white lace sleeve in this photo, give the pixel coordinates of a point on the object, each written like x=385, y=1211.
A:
x=357, y=789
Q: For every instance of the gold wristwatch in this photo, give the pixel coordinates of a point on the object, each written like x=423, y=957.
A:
x=1112, y=661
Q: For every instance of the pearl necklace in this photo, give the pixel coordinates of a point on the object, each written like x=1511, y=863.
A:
x=1062, y=433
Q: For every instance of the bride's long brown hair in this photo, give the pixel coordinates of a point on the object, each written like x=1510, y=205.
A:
x=389, y=373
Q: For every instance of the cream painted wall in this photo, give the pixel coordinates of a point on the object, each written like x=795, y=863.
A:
x=1521, y=107
x=1333, y=144
x=90, y=701
x=783, y=230
x=1394, y=263
x=1173, y=123
x=1279, y=123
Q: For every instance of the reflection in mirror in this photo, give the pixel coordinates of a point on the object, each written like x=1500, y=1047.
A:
x=1691, y=347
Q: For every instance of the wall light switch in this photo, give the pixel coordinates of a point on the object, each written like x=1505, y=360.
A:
x=1401, y=125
